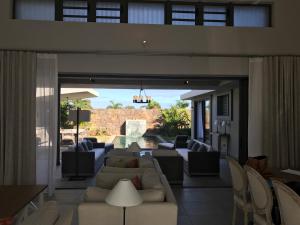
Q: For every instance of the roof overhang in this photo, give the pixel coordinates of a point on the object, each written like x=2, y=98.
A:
x=194, y=93
x=77, y=93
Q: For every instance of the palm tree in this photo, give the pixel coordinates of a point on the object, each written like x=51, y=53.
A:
x=115, y=105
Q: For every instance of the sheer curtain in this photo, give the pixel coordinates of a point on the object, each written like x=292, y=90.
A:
x=274, y=110
x=17, y=117
x=46, y=119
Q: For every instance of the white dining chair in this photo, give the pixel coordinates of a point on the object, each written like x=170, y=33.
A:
x=261, y=196
x=240, y=190
x=289, y=204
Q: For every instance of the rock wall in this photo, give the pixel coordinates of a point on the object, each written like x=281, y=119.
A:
x=113, y=121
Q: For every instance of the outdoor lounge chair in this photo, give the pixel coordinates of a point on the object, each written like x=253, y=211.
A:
x=180, y=142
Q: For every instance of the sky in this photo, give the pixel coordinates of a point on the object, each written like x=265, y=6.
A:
x=165, y=97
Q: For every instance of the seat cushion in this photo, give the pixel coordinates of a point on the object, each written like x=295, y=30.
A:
x=151, y=181
x=184, y=153
x=98, y=152
x=109, y=180
x=166, y=145
x=96, y=194
x=146, y=162
x=119, y=161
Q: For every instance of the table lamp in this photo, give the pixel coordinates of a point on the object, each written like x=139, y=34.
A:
x=124, y=194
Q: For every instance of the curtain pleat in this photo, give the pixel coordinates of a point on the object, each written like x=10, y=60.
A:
x=281, y=111
x=17, y=117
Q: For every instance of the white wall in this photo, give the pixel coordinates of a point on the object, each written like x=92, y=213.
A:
x=152, y=65
x=283, y=38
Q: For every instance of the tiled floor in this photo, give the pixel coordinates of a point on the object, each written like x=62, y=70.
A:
x=197, y=206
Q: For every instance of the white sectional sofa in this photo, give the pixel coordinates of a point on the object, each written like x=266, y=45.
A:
x=159, y=205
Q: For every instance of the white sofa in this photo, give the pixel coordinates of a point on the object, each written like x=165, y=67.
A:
x=158, y=208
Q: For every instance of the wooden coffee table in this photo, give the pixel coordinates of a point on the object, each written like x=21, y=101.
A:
x=15, y=198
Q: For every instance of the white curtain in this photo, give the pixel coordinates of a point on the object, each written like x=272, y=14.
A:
x=17, y=117
x=255, y=122
x=274, y=110
x=46, y=119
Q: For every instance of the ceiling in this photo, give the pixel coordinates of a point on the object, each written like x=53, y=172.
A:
x=148, y=82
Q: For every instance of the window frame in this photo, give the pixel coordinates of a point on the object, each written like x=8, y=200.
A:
x=199, y=10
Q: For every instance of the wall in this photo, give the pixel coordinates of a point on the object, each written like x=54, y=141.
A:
x=282, y=38
x=113, y=120
x=233, y=128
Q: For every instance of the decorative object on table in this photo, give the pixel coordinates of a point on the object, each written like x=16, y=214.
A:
x=78, y=116
x=140, y=98
x=124, y=194
x=240, y=190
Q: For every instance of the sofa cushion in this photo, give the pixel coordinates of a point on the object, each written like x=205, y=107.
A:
x=164, y=153
x=119, y=161
x=96, y=194
x=136, y=181
x=195, y=147
x=84, y=145
x=146, y=162
x=202, y=148
x=92, y=139
x=184, y=153
x=107, y=169
x=190, y=144
x=134, y=163
x=109, y=180
x=89, y=145
x=151, y=181
x=98, y=152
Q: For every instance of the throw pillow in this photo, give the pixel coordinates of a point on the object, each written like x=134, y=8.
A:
x=80, y=147
x=202, y=148
x=190, y=144
x=133, y=164
x=95, y=194
x=195, y=147
x=89, y=144
x=137, y=182
x=84, y=145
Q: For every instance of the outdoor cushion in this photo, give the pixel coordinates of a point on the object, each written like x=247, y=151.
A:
x=190, y=144
x=184, y=153
x=98, y=152
x=84, y=145
x=202, y=148
x=89, y=144
x=195, y=147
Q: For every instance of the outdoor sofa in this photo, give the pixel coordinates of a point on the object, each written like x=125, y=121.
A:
x=90, y=159
x=200, y=159
x=180, y=142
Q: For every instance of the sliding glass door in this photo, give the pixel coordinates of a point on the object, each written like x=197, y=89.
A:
x=203, y=120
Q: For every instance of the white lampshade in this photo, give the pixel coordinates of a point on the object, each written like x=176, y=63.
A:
x=84, y=115
x=124, y=194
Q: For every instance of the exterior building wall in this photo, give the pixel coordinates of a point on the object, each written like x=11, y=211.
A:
x=113, y=121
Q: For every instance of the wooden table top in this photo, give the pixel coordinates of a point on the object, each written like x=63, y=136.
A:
x=285, y=176
x=14, y=198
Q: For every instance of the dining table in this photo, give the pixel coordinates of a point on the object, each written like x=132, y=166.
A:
x=15, y=200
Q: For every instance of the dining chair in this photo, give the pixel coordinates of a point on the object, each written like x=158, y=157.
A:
x=261, y=196
x=240, y=190
x=289, y=203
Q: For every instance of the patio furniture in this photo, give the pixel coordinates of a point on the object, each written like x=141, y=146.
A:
x=240, y=190
x=180, y=142
x=289, y=203
x=89, y=161
x=200, y=159
x=261, y=196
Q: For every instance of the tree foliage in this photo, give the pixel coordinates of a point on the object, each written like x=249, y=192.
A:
x=176, y=119
x=153, y=105
x=115, y=105
x=66, y=106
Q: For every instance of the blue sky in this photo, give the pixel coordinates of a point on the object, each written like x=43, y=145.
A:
x=124, y=96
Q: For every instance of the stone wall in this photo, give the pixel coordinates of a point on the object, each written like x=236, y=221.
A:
x=113, y=121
